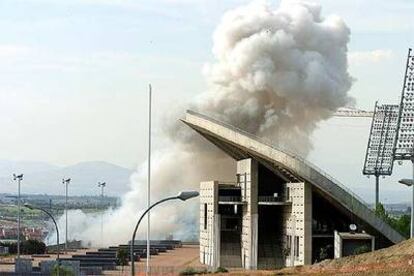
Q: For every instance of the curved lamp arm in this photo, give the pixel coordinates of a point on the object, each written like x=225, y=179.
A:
x=182, y=196
x=136, y=228
x=27, y=205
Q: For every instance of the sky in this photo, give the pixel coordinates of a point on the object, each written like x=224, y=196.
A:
x=74, y=77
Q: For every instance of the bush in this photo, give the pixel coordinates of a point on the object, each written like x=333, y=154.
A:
x=192, y=271
x=361, y=249
x=221, y=270
x=63, y=271
x=122, y=257
x=27, y=247
x=33, y=247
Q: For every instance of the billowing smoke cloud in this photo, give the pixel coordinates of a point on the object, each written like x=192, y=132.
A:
x=277, y=73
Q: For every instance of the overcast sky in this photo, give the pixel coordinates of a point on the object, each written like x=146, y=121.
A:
x=74, y=76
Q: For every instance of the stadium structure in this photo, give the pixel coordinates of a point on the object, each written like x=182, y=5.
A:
x=281, y=210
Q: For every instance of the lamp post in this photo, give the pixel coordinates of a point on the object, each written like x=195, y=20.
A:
x=182, y=196
x=102, y=186
x=66, y=183
x=19, y=179
x=410, y=183
x=27, y=205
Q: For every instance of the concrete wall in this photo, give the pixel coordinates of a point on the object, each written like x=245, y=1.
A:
x=298, y=223
x=209, y=234
x=247, y=178
x=351, y=244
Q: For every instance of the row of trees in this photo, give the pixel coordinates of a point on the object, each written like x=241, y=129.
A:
x=401, y=223
x=26, y=247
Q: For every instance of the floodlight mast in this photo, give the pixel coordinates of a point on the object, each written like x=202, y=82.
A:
x=19, y=179
x=379, y=154
x=404, y=148
x=102, y=185
x=66, y=183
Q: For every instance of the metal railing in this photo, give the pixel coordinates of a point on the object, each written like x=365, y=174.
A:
x=230, y=198
x=269, y=143
x=271, y=199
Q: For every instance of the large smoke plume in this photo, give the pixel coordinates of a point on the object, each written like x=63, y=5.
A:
x=277, y=73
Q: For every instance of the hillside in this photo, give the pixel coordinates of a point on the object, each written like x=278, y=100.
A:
x=44, y=178
x=393, y=261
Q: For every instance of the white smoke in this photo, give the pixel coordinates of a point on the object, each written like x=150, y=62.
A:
x=277, y=73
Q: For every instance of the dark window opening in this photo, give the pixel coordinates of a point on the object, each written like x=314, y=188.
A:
x=205, y=216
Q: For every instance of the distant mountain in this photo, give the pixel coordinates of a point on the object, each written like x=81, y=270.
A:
x=7, y=167
x=43, y=178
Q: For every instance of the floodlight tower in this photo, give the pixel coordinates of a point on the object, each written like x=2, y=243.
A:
x=102, y=186
x=19, y=179
x=379, y=156
x=404, y=149
x=66, y=183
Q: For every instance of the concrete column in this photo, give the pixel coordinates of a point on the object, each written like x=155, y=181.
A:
x=247, y=170
x=209, y=224
x=298, y=223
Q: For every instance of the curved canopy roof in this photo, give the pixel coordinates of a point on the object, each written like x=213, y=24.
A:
x=241, y=145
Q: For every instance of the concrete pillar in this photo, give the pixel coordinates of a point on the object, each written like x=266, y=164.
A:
x=209, y=224
x=247, y=171
x=298, y=223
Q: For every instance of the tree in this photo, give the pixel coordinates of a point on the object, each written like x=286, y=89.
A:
x=33, y=247
x=122, y=257
x=401, y=224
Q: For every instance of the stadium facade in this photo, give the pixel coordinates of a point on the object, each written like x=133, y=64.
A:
x=281, y=210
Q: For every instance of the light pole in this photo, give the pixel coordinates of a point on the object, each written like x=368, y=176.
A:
x=102, y=186
x=66, y=183
x=27, y=205
x=19, y=179
x=410, y=183
x=182, y=196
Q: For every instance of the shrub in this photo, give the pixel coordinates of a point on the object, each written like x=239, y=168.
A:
x=361, y=249
x=33, y=247
x=122, y=257
x=63, y=271
x=221, y=270
x=192, y=271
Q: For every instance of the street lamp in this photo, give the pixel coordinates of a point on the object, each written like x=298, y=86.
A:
x=102, y=186
x=19, y=179
x=31, y=207
x=66, y=183
x=182, y=196
x=409, y=183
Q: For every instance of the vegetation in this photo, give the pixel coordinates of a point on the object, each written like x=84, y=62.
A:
x=221, y=270
x=122, y=257
x=27, y=247
x=400, y=224
x=193, y=271
x=362, y=249
x=63, y=271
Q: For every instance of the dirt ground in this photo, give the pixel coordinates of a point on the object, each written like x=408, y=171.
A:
x=392, y=261
x=169, y=263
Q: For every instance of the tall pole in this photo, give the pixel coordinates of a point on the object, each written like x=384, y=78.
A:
x=19, y=179
x=66, y=183
x=149, y=180
x=412, y=206
x=376, y=191
x=102, y=186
